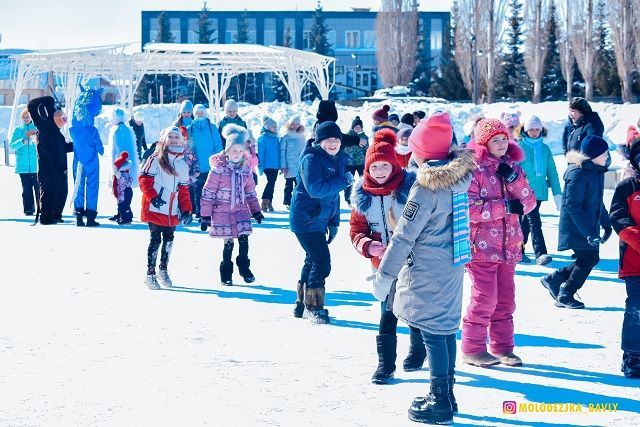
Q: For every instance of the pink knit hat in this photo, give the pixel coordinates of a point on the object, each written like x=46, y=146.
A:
x=431, y=139
x=381, y=114
x=488, y=128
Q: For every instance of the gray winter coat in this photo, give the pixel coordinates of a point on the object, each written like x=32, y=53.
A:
x=428, y=291
x=291, y=146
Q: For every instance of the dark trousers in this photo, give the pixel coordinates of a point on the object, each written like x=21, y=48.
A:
x=272, y=175
x=353, y=169
x=441, y=354
x=531, y=223
x=289, y=183
x=30, y=191
x=388, y=321
x=631, y=322
x=575, y=274
x=317, y=262
x=195, y=192
x=53, y=194
x=227, y=250
x=159, y=234
x=124, y=208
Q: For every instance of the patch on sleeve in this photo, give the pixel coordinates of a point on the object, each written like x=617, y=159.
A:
x=410, y=210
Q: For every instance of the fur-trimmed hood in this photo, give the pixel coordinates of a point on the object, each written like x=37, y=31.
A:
x=514, y=153
x=361, y=200
x=575, y=157
x=449, y=175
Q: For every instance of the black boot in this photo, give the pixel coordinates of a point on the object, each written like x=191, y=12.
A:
x=552, y=283
x=565, y=297
x=243, y=267
x=226, y=273
x=436, y=408
x=299, y=310
x=452, y=398
x=417, y=351
x=631, y=364
x=91, y=218
x=79, y=217
x=386, y=345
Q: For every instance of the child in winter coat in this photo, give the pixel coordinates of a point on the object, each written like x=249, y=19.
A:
x=121, y=138
x=292, y=143
x=165, y=201
x=23, y=143
x=499, y=192
x=625, y=219
x=377, y=201
x=356, y=154
x=269, y=160
x=231, y=116
x=582, y=215
x=426, y=258
x=315, y=216
x=380, y=119
x=185, y=118
x=403, y=151
x=541, y=173
x=137, y=125
x=122, y=182
x=229, y=201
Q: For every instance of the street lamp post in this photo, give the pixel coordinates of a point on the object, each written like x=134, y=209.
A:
x=355, y=76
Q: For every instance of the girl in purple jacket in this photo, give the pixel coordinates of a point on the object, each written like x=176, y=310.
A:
x=229, y=201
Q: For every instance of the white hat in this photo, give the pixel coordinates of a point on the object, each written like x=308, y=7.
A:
x=231, y=104
x=117, y=116
x=138, y=116
x=534, y=122
x=234, y=134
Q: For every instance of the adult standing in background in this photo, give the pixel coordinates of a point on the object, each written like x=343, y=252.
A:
x=137, y=124
x=583, y=121
x=23, y=143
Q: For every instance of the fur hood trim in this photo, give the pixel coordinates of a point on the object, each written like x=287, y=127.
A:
x=361, y=200
x=575, y=157
x=448, y=175
x=514, y=152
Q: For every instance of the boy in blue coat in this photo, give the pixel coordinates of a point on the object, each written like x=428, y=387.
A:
x=269, y=160
x=315, y=215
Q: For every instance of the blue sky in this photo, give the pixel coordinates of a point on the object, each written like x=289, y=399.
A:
x=78, y=23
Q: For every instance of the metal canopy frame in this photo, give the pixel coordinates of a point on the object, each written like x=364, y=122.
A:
x=211, y=65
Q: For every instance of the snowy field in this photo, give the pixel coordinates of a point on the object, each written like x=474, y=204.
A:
x=83, y=342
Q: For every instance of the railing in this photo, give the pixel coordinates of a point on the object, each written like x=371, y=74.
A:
x=5, y=146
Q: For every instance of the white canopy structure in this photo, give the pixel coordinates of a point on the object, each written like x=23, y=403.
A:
x=211, y=65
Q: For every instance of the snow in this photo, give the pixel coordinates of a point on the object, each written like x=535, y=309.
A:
x=84, y=342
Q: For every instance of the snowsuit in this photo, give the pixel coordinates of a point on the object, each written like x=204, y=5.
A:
x=269, y=160
x=574, y=133
x=291, y=146
x=26, y=166
x=356, y=155
x=124, y=194
x=205, y=142
x=496, y=247
x=86, y=174
x=52, y=160
x=141, y=140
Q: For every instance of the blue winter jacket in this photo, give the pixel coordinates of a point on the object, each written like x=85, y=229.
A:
x=206, y=141
x=268, y=151
x=315, y=204
x=25, y=149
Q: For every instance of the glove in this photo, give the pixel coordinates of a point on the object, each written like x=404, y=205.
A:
x=382, y=286
x=332, y=231
x=558, y=200
x=258, y=217
x=507, y=172
x=594, y=241
x=348, y=176
x=157, y=202
x=376, y=249
x=607, y=233
x=186, y=218
x=514, y=207
x=205, y=223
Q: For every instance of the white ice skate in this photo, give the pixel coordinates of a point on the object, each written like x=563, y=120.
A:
x=151, y=282
x=164, y=279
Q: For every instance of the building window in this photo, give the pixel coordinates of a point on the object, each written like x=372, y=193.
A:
x=174, y=29
x=290, y=27
x=231, y=36
x=193, y=36
x=352, y=39
x=331, y=37
x=339, y=70
x=269, y=37
x=2, y=100
x=369, y=39
x=436, y=34
x=306, y=40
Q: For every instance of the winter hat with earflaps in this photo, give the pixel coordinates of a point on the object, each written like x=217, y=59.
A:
x=593, y=146
x=486, y=129
x=431, y=138
x=381, y=114
x=234, y=134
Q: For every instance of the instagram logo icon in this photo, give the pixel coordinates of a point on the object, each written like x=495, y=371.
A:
x=509, y=407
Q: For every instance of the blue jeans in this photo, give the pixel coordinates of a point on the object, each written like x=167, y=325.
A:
x=631, y=322
x=441, y=354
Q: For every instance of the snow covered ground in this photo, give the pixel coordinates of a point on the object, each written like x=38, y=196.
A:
x=83, y=342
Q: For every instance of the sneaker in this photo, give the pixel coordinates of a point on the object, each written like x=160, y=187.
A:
x=164, y=279
x=551, y=286
x=509, y=359
x=483, y=359
x=525, y=259
x=568, y=301
x=319, y=316
x=151, y=282
x=543, y=259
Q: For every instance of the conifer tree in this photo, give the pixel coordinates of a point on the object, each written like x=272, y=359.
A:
x=318, y=43
x=205, y=32
x=554, y=85
x=279, y=90
x=514, y=82
x=606, y=81
x=153, y=82
x=421, y=80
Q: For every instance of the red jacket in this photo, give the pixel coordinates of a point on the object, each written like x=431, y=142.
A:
x=625, y=217
x=174, y=188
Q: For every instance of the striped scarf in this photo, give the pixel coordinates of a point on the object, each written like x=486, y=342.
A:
x=461, y=246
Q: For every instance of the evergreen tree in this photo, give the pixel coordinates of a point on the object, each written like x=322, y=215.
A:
x=280, y=91
x=606, y=81
x=446, y=81
x=318, y=43
x=205, y=32
x=243, y=87
x=554, y=86
x=154, y=82
x=420, y=82
x=514, y=82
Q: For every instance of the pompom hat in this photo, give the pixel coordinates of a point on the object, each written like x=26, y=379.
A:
x=486, y=129
x=381, y=114
x=383, y=149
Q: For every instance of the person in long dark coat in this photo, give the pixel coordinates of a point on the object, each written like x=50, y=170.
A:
x=582, y=121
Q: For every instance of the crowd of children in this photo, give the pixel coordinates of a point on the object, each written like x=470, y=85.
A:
x=425, y=209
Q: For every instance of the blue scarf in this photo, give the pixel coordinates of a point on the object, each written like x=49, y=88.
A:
x=461, y=245
x=538, y=154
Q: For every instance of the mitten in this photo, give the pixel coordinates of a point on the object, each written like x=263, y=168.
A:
x=507, y=172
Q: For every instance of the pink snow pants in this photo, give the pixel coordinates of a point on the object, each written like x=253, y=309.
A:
x=492, y=305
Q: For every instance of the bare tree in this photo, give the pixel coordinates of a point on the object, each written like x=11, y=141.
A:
x=464, y=41
x=622, y=34
x=397, y=35
x=583, y=42
x=567, y=60
x=635, y=20
x=489, y=40
x=535, y=43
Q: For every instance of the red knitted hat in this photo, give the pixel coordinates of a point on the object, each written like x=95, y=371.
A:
x=381, y=114
x=383, y=149
x=122, y=160
x=488, y=128
x=431, y=139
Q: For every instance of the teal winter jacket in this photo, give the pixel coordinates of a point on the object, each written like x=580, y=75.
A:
x=25, y=149
x=549, y=178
